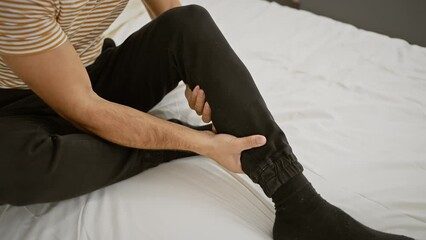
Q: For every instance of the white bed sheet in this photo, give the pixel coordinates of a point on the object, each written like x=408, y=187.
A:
x=352, y=103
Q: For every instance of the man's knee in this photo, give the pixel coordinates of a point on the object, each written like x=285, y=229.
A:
x=188, y=15
x=195, y=11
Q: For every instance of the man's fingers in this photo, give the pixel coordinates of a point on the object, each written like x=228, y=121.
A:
x=192, y=99
x=207, y=113
x=251, y=142
x=200, y=101
x=197, y=101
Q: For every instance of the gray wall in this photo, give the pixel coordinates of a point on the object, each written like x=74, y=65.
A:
x=404, y=19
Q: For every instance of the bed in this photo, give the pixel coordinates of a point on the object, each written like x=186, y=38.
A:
x=352, y=103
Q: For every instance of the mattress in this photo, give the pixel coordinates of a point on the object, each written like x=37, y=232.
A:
x=352, y=103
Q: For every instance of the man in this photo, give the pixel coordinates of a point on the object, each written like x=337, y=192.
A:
x=74, y=120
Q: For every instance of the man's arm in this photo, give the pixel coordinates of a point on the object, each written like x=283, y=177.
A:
x=157, y=7
x=66, y=87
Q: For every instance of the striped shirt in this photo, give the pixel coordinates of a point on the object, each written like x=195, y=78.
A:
x=35, y=26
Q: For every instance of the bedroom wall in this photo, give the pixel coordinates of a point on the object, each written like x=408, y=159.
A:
x=404, y=19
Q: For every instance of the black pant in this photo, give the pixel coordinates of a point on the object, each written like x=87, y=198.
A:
x=44, y=158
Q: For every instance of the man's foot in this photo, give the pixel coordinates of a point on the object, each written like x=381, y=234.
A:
x=302, y=214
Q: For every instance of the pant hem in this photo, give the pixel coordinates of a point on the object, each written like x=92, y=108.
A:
x=272, y=174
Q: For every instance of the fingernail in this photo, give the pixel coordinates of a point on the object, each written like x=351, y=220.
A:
x=261, y=140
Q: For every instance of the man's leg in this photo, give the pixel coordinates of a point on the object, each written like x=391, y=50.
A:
x=188, y=45
x=43, y=158
x=185, y=44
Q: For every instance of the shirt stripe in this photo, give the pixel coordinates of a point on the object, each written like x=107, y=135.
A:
x=35, y=26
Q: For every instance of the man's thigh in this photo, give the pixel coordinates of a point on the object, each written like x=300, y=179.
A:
x=134, y=74
x=45, y=159
x=142, y=70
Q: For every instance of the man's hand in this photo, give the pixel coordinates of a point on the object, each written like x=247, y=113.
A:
x=226, y=149
x=197, y=101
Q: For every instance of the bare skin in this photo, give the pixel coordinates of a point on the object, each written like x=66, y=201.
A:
x=67, y=89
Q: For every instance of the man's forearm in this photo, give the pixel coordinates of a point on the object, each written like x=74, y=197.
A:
x=67, y=90
x=73, y=98
x=131, y=128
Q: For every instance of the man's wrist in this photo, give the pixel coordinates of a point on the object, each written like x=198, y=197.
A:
x=202, y=142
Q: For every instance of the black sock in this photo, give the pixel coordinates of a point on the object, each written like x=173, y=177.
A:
x=302, y=214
